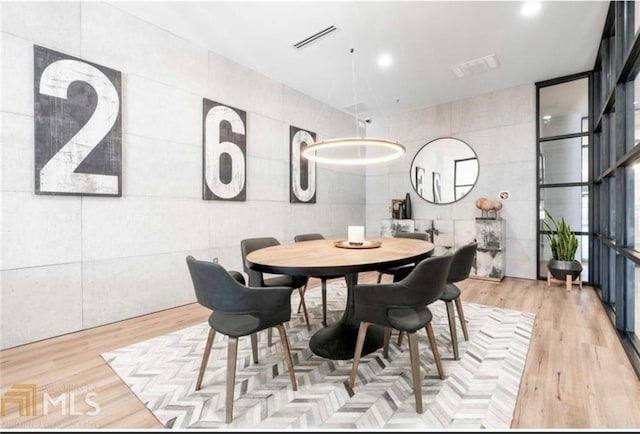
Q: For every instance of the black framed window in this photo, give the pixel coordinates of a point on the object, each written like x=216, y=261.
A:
x=563, y=113
x=615, y=174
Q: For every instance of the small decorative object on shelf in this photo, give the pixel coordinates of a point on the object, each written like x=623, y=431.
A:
x=488, y=207
x=564, y=244
x=397, y=209
x=407, y=206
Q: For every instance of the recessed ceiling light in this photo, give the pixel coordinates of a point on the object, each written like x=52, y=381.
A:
x=385, y=61
x=530, y=8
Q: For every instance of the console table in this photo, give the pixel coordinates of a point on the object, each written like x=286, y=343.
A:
x=449, y=234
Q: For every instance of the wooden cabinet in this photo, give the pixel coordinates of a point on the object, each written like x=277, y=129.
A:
x=490, y=257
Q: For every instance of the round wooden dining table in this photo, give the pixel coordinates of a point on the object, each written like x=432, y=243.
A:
x=323, y=258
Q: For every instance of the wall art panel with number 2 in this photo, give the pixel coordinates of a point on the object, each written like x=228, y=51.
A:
x=78, y=128
x=302, y=172
x=224, y=152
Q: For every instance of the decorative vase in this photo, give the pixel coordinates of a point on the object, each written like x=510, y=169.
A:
x=407, y=206
x=560, y=269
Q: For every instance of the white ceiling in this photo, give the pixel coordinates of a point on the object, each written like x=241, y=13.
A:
x=425, y=39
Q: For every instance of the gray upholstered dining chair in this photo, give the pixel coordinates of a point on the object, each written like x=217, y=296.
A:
x=402, y=306
x=238, y=311
x=256, y=278
x=402, y=271
x=459, y=271
x=323, y=279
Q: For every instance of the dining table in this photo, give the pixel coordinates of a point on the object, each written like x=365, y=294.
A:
x=331, y=257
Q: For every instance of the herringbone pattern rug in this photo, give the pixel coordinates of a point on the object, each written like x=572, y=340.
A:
x=479, y=391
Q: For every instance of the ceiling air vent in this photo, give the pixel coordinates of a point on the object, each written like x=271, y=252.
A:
x=313, y=38
x=475, y=66
x=359, y=107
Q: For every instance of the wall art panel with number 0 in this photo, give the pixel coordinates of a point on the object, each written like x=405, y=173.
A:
x=78, y=127
x=224, y=159
x=302, y=173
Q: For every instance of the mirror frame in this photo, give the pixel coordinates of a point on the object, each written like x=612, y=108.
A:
x=417, y=154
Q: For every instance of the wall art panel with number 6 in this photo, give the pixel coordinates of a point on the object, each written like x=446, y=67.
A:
x=224, y=152
x=78, y=127
x=302, y=172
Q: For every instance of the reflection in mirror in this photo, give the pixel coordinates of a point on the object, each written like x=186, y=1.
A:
x=444, y=170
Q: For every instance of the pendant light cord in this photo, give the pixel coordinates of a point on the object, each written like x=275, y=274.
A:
x=355, y=95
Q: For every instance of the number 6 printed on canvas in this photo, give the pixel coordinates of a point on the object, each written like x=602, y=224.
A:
x=78, y=132
x=224, y=152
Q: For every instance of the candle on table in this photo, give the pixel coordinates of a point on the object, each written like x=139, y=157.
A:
x=356, y=235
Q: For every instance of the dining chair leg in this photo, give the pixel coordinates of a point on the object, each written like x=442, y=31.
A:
x=287, y=355
x=324, y=302
x=304, y=290
x=304, y=308
x=387, y=338
x=205, y=357
x=452, y=328
x=362, y=333
x=232, y=356
x=434, y=349
x=254, y=346
x=400, y=336
x=415, y=370
x=269, y=337
x=463, y=323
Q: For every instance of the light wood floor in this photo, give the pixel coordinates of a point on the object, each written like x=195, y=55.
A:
x=576, y=375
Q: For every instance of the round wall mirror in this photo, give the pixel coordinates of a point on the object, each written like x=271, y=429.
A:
x=444, y=170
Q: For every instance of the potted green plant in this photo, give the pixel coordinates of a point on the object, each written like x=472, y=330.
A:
x=564, y=245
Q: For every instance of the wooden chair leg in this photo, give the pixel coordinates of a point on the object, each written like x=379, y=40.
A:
x=415, y=370
x=304, y=308
x=232, y=356
x=324, y=302
x=387, y=338
x=434, y=349
x=287, y=355
x=400, y=336
x=362, y=333
x=254, y=346
x=205, y=357
x=452, y=328
x=463, y=323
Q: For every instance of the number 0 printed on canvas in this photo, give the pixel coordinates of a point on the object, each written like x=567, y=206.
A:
x=302, y=173
x=78, y=127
